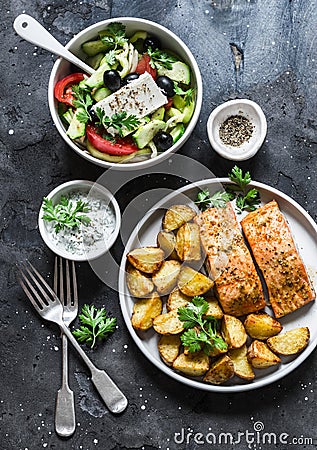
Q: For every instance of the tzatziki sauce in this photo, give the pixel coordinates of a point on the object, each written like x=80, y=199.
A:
x=86, y=238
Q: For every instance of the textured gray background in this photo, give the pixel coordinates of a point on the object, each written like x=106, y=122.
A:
x=278, y=38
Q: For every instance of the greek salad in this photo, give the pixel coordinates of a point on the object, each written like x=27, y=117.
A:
x=135, y=105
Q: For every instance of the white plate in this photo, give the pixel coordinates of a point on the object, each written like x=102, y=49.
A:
x=304, y=230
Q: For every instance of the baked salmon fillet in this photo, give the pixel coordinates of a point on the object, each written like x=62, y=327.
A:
x=229, y=263
x=274, y=250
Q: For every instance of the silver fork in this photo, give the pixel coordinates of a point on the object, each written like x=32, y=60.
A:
x=65, y=420
x=47, y=304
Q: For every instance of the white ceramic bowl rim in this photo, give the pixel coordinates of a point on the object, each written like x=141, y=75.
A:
x=149, y=162
x=250, y=150
x=90, y=187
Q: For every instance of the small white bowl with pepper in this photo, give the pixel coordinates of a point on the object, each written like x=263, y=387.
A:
x=236, y=129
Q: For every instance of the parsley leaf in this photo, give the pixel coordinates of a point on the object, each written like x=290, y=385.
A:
x=118, y=121
x=217, y=200
x=94, y=325
x=200, y=333
x=249, y=202
x=188, y=95
x=236, y=175
x=159, y=58
x=66, y=214
x=114, y=35
x=110, y=57
x=82, y=101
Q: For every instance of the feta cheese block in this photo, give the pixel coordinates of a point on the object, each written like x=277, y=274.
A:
x=139, y=97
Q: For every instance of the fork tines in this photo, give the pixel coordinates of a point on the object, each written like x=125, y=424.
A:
x=68, y=276
x=33, y=285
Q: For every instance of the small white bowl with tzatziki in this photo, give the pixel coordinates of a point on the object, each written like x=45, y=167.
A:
x=79, y=220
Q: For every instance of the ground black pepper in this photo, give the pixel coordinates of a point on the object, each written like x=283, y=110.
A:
x=236, y=130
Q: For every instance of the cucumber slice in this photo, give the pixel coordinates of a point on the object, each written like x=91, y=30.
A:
x=96, y=79
x=101, y=93
x=180, y=72
x=94, y=61
x=178, y=102
x=76, y=128
x=91, y=48
x=68, y=115
x=188, y=112
x=177, y=132
x=158, y=114
x=146, y=133
x=172, y=112
x=138, y=35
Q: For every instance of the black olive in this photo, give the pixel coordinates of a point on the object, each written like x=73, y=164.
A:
x=166, y=84
x=112, y=80
x=92, y=114
x=131, y=76
x=151, y=42
x=163, y=140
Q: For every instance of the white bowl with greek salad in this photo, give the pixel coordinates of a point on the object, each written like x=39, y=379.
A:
x=79, y=220
x=141, y=103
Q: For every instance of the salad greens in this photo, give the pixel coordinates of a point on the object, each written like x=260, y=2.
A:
x=120, y=59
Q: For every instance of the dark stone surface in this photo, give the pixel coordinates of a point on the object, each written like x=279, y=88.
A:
x=278, y=72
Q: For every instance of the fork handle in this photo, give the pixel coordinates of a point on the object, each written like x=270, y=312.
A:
x=65, y=420
x=113, y=398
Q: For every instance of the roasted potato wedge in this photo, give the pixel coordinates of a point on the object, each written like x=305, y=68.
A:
x=166, y=240
x=165, y=279
x=139, y=285
x=168, y=347
x=233, y=331
x=194, y=364
x=176, y=216
x=291, y=342
x=168, y=323
x=188, y=242
x=220, y=371
x=145, y=310
x=176, y=299
x=260, y=356
x=146, y=259
x=242, y=367
x=214, y=309
x=261, y=326
x=191, y=282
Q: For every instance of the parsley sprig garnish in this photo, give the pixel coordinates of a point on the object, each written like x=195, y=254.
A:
x=246, y=199
x=188, y=95
x=217, y=200
x=66, y=214
x=160, y=59
x=94, y=325
x=114, y=36
x=118, y=121
x=201, y=333
x=82, y=100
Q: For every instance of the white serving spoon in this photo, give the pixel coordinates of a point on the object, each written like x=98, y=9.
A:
x=32, y=31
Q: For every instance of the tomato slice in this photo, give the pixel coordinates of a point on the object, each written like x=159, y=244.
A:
x=145, y=66
x=119, y=148
x=169, y=103
x=62, y=90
